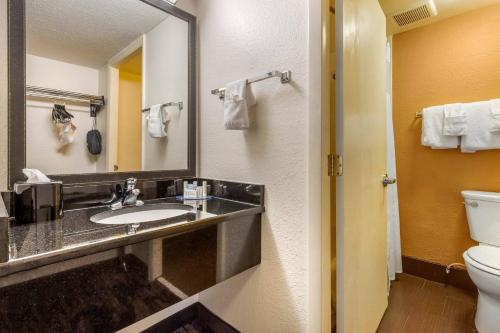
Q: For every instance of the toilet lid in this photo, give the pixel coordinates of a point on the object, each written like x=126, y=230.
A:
x=486, y=255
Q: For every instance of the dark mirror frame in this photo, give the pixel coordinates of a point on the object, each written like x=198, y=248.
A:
x=17, y=102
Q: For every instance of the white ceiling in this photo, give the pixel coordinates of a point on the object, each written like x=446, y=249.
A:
x=445, y=9
x=86, y=32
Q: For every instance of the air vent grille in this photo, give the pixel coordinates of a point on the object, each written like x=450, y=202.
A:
x=413, y=15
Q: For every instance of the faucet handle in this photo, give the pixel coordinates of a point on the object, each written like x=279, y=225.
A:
x=130, y=183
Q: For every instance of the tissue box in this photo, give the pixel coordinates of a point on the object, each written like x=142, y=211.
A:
x=38, y=202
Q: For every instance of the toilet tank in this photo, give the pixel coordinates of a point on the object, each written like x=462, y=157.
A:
x=483, y=216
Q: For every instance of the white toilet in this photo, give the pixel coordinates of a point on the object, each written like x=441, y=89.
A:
x=483, y=261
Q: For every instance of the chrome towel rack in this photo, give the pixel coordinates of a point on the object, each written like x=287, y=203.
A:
x=62, y=95
x=180, y=105
x=285, y=77
x=418, y=114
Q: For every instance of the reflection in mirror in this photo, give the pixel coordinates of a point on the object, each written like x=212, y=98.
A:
x=107, y=87
x=126, y=284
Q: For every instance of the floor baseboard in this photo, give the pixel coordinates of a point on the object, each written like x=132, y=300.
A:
x=458, y=277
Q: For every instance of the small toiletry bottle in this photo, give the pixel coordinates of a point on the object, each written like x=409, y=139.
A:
x=204, y=189
x=192, y=192
x=187, y=190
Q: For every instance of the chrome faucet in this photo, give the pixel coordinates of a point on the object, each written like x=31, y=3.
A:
x=129, y=196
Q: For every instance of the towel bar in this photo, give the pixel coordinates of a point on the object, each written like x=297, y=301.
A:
x=418, y=114
x=180, y=105
x=285, y=77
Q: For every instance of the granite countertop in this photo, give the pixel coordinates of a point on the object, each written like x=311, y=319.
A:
x=34, y=245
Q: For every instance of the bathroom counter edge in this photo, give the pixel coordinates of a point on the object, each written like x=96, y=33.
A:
x=52, y=257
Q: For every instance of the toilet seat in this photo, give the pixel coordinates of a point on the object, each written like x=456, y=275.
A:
x=485, y=258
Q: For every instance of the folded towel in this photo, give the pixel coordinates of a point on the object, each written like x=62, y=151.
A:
x=495, y=115
x=479, y=135
x=432, y=129
x=238, y=99
x=455, y=120
x=157, y=120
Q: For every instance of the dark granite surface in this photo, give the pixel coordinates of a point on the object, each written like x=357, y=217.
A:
x=209, y=244
x=76, y=228
x=46, y=242
x=97, y=298
x=38, y=244
x=195, y=318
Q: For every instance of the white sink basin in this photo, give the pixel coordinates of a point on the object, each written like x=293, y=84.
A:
x=142, y=214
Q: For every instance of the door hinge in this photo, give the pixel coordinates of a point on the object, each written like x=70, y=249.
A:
x=335, y=167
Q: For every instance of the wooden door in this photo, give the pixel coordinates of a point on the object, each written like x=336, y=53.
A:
x=361, y=140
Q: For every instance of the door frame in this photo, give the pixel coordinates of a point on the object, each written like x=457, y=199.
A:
x=339, y=149
x=113, y=107
x=318, y=196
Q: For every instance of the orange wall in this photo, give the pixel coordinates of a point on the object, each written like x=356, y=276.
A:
x=129, y=122
x=455, y=60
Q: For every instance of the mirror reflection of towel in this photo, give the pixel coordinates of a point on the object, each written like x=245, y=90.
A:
x=157, y=121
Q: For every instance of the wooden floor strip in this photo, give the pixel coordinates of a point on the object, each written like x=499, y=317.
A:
x=419, y=305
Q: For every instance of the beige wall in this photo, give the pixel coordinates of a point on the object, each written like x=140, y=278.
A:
x=240, y=39
x=455, y=60
x=165, y=76
x=43, y=150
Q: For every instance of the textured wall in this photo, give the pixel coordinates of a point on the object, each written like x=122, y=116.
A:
x=455, y=60
x=240, y=39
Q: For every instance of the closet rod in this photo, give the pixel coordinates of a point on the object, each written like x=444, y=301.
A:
x=40, y=92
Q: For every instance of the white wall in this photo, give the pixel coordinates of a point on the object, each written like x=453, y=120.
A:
x=43, y=150
x=102, y=164
x=240, y=39
x=165, y=79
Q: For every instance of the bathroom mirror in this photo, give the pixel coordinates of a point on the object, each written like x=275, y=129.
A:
x=101, y=89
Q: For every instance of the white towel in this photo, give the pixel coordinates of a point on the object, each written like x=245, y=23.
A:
x=157, y=121
x=432, y=129
x=495, y=115
x=238, y=99
x=479, y=135
x=455, y=120
x=66, y=133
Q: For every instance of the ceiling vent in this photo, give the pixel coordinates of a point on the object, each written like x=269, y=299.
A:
x=422, y=12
